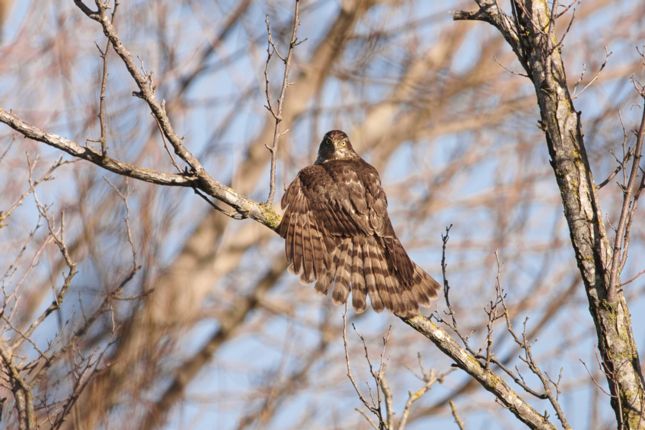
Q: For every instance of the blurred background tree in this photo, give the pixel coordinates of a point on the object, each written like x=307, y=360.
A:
x=126, y=303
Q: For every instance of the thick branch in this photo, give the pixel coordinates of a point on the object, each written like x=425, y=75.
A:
x=489, y=380
x=244, y=207
x=89, y=154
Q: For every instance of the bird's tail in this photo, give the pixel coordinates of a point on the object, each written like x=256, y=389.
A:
x=380, y=270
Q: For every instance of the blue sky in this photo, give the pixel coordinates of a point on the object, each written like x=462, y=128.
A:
x=261, y=359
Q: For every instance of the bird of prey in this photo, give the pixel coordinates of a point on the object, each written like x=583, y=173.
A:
x=338, y=233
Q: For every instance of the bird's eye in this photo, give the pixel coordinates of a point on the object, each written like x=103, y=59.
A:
x=342, y=144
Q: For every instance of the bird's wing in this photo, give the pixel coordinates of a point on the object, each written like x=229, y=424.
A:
x=347, y=199
x=355, y=202
x=323, y=205
x=305, y=245
x=337, y=231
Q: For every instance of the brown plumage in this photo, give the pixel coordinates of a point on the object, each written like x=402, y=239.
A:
x=338, y=233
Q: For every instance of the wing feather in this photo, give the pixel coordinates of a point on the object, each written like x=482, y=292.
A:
x=338, y=233
x=300, y=230
x=297, y=244
x=307, y=252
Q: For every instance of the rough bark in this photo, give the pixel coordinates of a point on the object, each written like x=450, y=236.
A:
x=531, y=34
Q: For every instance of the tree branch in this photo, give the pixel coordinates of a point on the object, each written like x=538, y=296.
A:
x=21, y=392
x=89, y=154
x=532, y=37
x=489, y=380
x=243, y=206
x=277, y=111
x=631, y=192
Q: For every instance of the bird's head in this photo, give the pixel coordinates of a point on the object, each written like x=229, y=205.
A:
x=335, y=146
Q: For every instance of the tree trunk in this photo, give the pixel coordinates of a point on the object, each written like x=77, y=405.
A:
x=531, y=34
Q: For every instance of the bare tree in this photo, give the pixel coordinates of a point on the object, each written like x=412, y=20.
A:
x=126, y=299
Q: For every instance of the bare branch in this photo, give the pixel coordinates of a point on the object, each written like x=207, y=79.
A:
x=58, y=237
x=276, y=111
x=375, y=409
x=429, y=378
x=577, y=94
x=21, y=392
x=103, y=53
x=89, y=154
x=455, y=415
x=631, y=192
x=243, y=207
x=489, y=380
x=146, y=88
x=599, y=266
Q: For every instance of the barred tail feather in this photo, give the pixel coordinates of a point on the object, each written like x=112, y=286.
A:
x=343, y=272
x=319, y=253
x=411, y=304
x=393, y=290
x=387, y=284
x=363, y=266
x=323, y=282
x=398, y=259
x=380, y=270
x=359, y=290
x=370, y=281
x=424, y=288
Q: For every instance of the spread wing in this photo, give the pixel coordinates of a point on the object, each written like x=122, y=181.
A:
x=347, y=199
x=337, y=232
x=342, y=199
x=305, y=247
x=356, y=204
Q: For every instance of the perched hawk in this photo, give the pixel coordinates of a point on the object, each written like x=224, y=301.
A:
x=337, y=232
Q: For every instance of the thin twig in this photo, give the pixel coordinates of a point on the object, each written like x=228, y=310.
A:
x=103, y=53
x=455, y=415
x=47, y=176
x=276, y=111
x=523, y=342
x=631, y=193
x=58, y=238
x=429, y=379
x=618, y=169
x=602, y=67
x=446, y=289
x=633, y=278
x=363, y=400
x=446, y=285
